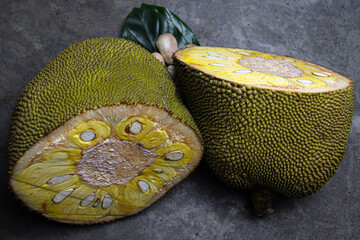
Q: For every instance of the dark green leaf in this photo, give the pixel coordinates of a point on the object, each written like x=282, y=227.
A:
x=143, y=25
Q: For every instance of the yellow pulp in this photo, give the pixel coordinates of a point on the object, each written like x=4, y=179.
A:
x=53, y=186
x=257, y=68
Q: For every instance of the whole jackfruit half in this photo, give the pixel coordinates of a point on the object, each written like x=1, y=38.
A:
x=100, y=133
x=269, y=123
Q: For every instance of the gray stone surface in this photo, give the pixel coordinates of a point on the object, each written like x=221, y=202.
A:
x=319, y=31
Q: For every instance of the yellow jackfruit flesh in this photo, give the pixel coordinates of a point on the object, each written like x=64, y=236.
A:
x=268, y=122
x=100, y=133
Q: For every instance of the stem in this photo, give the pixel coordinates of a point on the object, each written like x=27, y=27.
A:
x=263, y=201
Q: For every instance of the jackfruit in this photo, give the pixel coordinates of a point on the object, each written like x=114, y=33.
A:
x=100, y=133
x=269, y=122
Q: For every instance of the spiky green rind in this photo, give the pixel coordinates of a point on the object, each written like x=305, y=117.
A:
x=288, y=142
x=90, y=74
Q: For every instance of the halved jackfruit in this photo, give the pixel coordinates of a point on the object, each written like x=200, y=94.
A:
x=100, y=134
x=269, y=122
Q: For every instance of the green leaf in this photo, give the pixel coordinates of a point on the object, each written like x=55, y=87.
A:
x=143, y=25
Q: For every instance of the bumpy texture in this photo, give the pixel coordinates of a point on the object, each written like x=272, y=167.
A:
x=288, y=142
x=112, y=66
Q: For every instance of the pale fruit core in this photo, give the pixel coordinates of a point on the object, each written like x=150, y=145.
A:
x=276, y=67
x=113, y=162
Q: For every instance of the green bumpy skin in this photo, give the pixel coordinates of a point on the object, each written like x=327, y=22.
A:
x=288, y=142
x=112, y=66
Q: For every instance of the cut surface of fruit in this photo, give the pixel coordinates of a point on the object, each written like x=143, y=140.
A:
x=268, y=122
x=100, y=133
x=262, y=70
x=125, y=174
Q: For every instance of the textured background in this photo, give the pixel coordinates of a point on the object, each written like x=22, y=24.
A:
x=319, y=31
